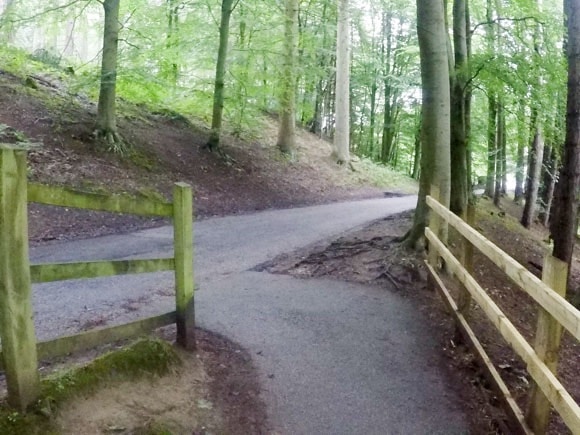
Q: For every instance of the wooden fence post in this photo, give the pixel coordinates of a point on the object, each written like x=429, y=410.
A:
x=547, y=344
x=466, y=259
x=16, y=324
x=434, y=225
x=183, y=245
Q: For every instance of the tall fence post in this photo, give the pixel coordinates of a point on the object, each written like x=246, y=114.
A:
x=547, y=344
x=183, y=245
x=16, y=324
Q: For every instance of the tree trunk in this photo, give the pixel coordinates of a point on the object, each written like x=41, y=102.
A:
x=519, y=192
x=491, y=146
x=550, y=168
x=213, y=144
x=342, y=130
x=435, y=128
x=564, y=222
x=459, y=177
x=533, y=179
x=106, y=124
x=286, y=135
x=417, y=152
x=500, y=135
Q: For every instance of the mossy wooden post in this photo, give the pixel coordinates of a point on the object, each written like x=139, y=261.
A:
x=183, y=245
x=547, y=344
x=16, y=324
x=466, y=259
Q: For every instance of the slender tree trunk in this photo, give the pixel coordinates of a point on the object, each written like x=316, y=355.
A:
x=503, y=147
x=564, y=222
x=467, y=105
x=491, y=146
x=533, y=179
x=106, y=124
x=342, y=130
x=286, y=136
x=372, y=120
x=459, y=175
x=499, y=154
x=435, y=128
x=213, y=143
x=386, y=50
x=549, y=169
x=519, y=192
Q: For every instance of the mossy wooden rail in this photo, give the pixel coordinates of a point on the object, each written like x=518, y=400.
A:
x=555, y=312
x=20, y=351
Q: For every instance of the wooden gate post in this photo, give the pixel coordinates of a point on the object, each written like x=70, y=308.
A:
x=547, y=344
x=183, y=246
x=16, y=324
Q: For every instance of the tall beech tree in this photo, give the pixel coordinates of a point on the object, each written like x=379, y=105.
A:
x=536, y=151
x=435, y=112
x=564, y=222
x=459, y=134
x=286, y=135
x=106, y=124
x=213, y=144
x=341, y=149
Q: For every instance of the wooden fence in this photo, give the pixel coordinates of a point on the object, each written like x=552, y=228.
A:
x=555, y=312
x=20, y=351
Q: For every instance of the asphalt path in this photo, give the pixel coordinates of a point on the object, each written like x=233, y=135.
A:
x=333, y=357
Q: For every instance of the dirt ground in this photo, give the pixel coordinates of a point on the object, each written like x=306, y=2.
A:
x=372, y=255
x=215, y=390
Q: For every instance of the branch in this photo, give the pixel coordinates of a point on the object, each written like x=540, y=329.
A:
x=514, y=20
x=48, y=11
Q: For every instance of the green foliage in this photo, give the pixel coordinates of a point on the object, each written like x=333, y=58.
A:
x=144, y=358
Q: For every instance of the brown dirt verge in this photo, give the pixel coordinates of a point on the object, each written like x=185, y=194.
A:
x=372, y=255
x=215, y=390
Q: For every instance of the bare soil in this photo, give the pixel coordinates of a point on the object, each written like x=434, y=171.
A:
x=374, y=255
x=214, y=391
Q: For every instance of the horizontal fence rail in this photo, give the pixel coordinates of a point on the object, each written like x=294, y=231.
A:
x=49, y=272
x=541, y=361
x=556, y=305
x=64, y=197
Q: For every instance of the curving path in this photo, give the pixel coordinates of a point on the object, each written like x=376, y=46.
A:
x=333, y=357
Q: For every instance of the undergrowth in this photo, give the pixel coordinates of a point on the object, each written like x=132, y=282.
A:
x=146, y=357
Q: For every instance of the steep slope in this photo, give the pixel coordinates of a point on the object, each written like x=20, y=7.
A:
x=165, y=148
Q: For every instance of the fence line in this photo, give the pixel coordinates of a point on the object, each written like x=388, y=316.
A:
x=20, y=351
x=555, y=312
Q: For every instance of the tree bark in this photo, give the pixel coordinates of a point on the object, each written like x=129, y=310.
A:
x=106, y=123
x=459, y=176
x=533, y=179
x=491, y=146
x=564, y=222
x=499, y=154
x=435, y=129
x=213, y=144
x=519, y=191
x=286, y=133
x=341, y=152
